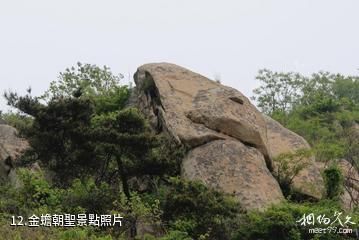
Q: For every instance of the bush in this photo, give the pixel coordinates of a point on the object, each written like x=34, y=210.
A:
x=85, y=196
x=288, y=166
x=19, y=121
x=333, y=180
x=171, y=235
x=193, y=208
x=24, y=233
x=176, y=235
x=280, y=222
x=33, y=195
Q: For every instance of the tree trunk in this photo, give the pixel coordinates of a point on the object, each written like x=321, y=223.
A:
x=124, y=179
x=126, y=190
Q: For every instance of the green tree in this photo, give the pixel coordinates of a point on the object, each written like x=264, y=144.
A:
x=59, y=130
x=125, y=138
x=347, y=87
x=323, y=109
x=17, y=120
x=59, y=134
x=90, y=81
x=201, y=212
x=278, y=91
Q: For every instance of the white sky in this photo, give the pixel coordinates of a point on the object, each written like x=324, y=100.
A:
x=230, y=38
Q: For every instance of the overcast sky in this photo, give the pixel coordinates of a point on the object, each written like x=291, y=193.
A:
x=232, y=39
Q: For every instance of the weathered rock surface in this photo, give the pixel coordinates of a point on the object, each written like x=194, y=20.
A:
x=350, y=197
x=234, y=168
x=309, y=181
x=146, y=226
x=232, y=145
x=226, y=133
x=196, y=110
x=11, y=147
x=356, y=129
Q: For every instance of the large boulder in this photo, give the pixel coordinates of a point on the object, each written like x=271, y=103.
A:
x=234, y=168
x=11, y=147
x=225, y=132
x=309, y=180
x=195, y=110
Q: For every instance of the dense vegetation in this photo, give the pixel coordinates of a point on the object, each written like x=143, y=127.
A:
x=323, y=108
x=98, y=155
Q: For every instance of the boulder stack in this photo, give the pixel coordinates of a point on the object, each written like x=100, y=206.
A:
x=232, y=145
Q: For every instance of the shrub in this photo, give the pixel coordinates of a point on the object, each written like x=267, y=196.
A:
x=19, y=121
x=333, y=180
x=288, y=166
x=87, y=196
x=193, y=208
x=35, y=194
x=280, y=222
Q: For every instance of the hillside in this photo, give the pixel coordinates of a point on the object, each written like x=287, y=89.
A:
x=180, y=156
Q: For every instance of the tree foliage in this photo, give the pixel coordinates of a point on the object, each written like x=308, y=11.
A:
x=59, y=134
x=333, y=179
x=90, y=79
x=201, y=212
x=325, y=112
x=278, y=91
x=93, y=82
x=280, y=222
x=288, y=166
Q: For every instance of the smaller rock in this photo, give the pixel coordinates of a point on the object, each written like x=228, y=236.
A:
x=35, y=168
x=309, y=181
x=356, y=128
x=148, y=226
x=350, y=197
x=234, y=168
x=11, y=147
x=141, y=184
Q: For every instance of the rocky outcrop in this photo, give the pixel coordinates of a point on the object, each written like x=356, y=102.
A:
x=195, y=110
x=11, y=147
x=145, y=226
x=350, y=196
x=234, y=168
x=356, y=128
x=225, y=132
x=309, y=180
x=232, y=145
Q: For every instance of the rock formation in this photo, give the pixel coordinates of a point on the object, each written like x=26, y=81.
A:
x=11, y=147
x=226, y=134
x=350, y=196
x=309, y=180
x=232, y=145
x=234, y=168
